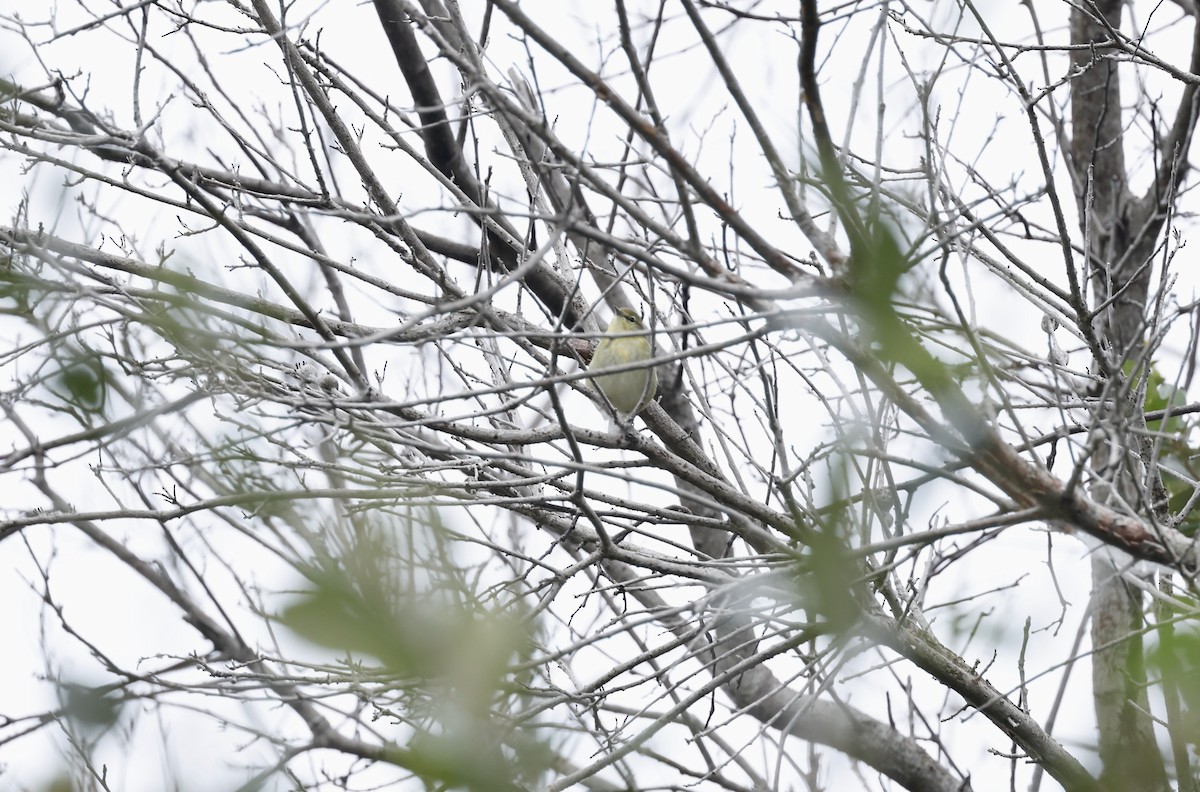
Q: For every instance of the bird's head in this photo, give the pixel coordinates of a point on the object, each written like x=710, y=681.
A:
x=626, y=320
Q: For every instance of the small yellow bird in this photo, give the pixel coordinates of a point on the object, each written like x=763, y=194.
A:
x=628, y=391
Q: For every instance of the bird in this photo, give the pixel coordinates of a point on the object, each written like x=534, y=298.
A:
x=627, y=391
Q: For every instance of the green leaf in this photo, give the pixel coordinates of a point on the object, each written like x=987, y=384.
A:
x=94, y=708
x=83, y=382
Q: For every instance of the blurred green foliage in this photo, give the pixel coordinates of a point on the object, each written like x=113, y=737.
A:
x=450, y=667
x=82, y=381
x=1173, y=436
